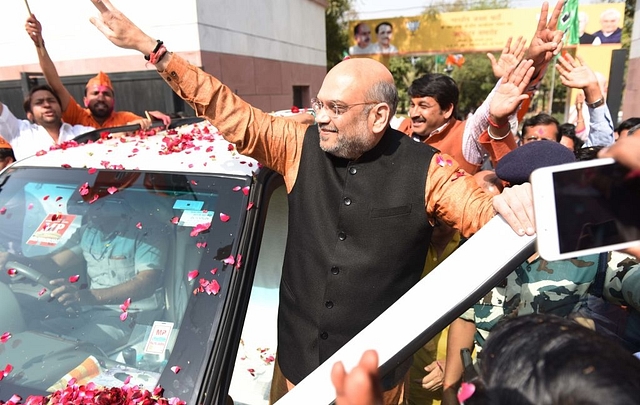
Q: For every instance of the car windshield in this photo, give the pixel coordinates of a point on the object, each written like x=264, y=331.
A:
x=137, y=259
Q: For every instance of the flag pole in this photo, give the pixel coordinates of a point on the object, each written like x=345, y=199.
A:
x=41, y=47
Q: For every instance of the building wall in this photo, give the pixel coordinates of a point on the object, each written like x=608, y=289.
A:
x=256, y=38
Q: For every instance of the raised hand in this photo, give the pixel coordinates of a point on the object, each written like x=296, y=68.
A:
x=575, y=73
x=511, y=91
x=511, y=55
x=34, y=29
x=120, y=30
x=547, y=40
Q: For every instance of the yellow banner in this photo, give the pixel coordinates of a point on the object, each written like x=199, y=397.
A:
x=471, y=31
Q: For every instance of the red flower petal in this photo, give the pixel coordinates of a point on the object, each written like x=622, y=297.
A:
x=250, y=205
x=45, y=198
x=199, y=229
x=238, y=261
x=214, y=271
x=176, y=369
x=125, y=305
x=94, y=199
x=92, y=170
x=192, y=274
x=139, y=225
x=252, y=372
x=175, y=220
x=213, y=287
x=41, y=152
x=201, y=244
x=58, y=198
x=224, y=217
x=5, y=336
x=84, y=189
x=237, y=188
x=12, y=272
x=245, y=190
x=66, y=166
x=3, y=210
x=123, y=316
x=229, y=260
x=42, y=292
x=74, y=279
x=112, y=190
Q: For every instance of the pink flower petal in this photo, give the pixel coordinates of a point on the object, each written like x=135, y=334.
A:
x=92, y=170
x=3, y=210
x=213, y=288
x=238, y=261
x=139, y=225
x=12, y=272
x=123, y=316
x=199, y=229
x=229, y=260
x=94, y=199
x=175, y=220
x=466, y=391
x=42, y=292
x=192, y=274
x=252, y=372
x=127, y=380
x=195, y=183
x=245, y=190
x=250, y=205
x=224, y=217
x=214, y=270
x=112, y=190
x=5, y=336
x=176, y=369
x=74, y=279
x=41, y=153
x=30, y=206
x=237, y=188
x=125, y=305
x=84, y=189
x=201, y=244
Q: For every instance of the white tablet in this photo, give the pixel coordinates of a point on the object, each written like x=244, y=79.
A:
x=585, y=207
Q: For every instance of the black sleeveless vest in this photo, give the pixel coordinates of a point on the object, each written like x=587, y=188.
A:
x=358, y=239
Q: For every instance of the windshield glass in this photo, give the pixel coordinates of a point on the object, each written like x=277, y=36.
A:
x=126, y=254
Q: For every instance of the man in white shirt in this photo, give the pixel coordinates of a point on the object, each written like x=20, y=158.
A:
x=362, y=35
x=44, y=128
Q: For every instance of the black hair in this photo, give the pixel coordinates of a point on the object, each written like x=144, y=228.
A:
x=541, y=119
x=548, y=360
x=384, y=23
x=27, y=101
x=7, y=152
x=569, y=130
x=627, y=124
x=440, y=87
x=588, y=153
x=356, y=29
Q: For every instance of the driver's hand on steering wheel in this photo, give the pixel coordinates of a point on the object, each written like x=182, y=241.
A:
x=69, y=294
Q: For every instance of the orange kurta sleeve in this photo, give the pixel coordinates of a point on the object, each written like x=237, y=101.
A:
x=275, y=142
x=454, y=196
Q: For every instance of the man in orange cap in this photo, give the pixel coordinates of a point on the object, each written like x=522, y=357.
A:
x=99, y=97
x=6, y=154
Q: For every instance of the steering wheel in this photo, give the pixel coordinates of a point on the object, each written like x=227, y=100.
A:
x=30, y=273
x=39, y=278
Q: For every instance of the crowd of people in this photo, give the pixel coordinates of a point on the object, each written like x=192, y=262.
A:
x=371, y=247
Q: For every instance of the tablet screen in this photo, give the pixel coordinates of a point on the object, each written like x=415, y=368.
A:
x=597, y=206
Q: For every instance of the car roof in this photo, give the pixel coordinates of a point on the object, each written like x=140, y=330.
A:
x=196, y=148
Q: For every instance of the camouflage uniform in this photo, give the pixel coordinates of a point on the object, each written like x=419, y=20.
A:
x=536, y=286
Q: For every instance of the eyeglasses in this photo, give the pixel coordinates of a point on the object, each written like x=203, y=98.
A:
x=335, y=110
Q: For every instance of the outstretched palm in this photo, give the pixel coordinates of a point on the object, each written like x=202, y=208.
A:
x=511, y=91
x=511, y=55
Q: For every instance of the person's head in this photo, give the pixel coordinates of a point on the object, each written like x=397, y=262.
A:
x=546, y=359
x=609, y=20
x=583, y=20
x=622, y=130
x=6, y=154
x=354, y=107
x=568, y=137
x=516, y=166
x=362, y=34
x=587, y=153
x=99, y=97
x=384, y=32
x=434, y=98
x=43, y=107
x=539, y=127
x=108, y=213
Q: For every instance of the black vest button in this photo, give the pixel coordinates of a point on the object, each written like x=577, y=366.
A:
x=342, y=236
x=328, y=304
x=335, y=270
x=324, y=336
x=347, y=201
x=353, y=170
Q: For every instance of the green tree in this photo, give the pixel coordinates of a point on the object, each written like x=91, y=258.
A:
x=475, y=80
x=336, y=27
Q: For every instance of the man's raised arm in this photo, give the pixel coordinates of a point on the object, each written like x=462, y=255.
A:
x=34, y=29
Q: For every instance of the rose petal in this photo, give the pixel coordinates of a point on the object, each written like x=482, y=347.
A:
x=30, y=206
x=213, y=288
x=250, y=205
x=127, y=380
x=466, y=391
x=175, y=220
x=229, y=260
x=12, y=272
x=84, y=189
x=192, y=274
x=139, y=225
x=5, y=336
x=42, y=292
x=45, y=198
x=74, y=279
x=176, y=369
x=199, y=229
x=58, y=198
x=112, y=190
x=92, y=170
x=123, y=316
x=224, y=217
x=237, y=188
x=3, y=210
x=214, y=271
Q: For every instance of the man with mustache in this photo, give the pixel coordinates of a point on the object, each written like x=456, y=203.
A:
x=44, y=128
x=99, y=97
x=361, y=195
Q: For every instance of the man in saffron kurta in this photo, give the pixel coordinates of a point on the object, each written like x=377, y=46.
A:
x=368, y=247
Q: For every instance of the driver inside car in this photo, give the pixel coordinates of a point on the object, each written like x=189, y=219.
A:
x=124, y=261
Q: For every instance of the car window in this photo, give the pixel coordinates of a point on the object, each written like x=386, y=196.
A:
x=179, y=233
x=251, y=381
